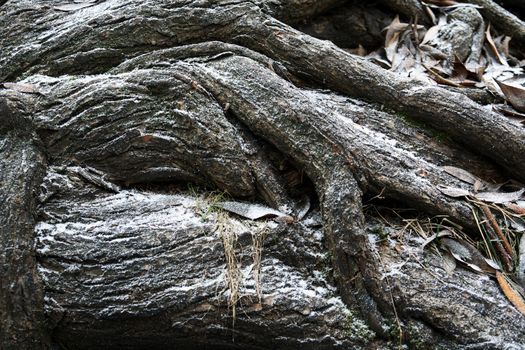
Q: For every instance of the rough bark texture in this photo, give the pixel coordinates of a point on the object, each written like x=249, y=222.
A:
x=119, y=105
x=21, y=299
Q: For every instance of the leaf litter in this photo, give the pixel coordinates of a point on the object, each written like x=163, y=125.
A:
x=500, y=233
x=424, y=53
x=421, y=53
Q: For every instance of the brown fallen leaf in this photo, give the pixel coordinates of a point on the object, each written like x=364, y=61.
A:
x=493, y=48
x=504, y=44
x=439, y=78
x=461, y=76
x=392, y=37
x=509, y=112
x=147, y=138
x=477, y=183
x=510, y=293
x=461, y=73
x=515, y=208
x=514, y=94
x=359, y=51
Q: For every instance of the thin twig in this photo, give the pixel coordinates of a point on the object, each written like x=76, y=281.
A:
x=497, y=229
x=497, y=242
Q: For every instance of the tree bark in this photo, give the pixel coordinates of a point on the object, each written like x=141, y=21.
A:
x=123, y=126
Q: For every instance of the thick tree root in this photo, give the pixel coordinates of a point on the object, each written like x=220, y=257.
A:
x=174, y=106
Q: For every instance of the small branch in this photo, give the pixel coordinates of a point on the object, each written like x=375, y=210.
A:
x=497, y=229
x=503, y=245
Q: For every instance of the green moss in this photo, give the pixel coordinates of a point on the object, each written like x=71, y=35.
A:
x=275, y=238
x=418, y=338
x=380, y=231
x=356, y=328
x=393, y=332
x=413, y=122
x=206, y=203
x=325, y=265
x=439, y=136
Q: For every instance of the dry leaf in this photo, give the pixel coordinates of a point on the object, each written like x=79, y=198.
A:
x=493, y=48
x=516, y=208
x=253, y=211
x=439, y=78
x=392, y=37
x=461, y=174
x=509, y=112
x=430, y=13
x=492, y=264
x=454, y=192
x=517, y=226
x=515, y=94
x=505, y=45
x=510, y=293
x=449, y=263
x=359, y=51
x=303, y=207
x=73, y=7
x=500, y=197
x=433, y=53
x=440, y=234
x=463, y=75
x=478, y=185
x=431, y=34
x=21, y=87
x=469, y=255
x=460, y=76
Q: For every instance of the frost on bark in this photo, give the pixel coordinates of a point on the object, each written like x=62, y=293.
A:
x=125, y=124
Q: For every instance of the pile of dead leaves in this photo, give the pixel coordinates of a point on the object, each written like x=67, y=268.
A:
x=499, y=210
x=459, y=50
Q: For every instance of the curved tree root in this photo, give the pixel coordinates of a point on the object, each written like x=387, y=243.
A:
x=180, y=115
